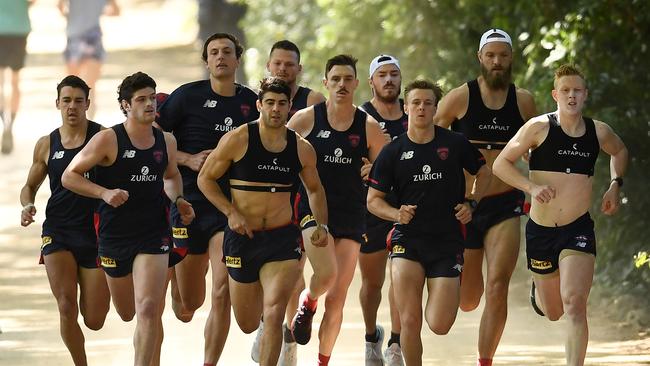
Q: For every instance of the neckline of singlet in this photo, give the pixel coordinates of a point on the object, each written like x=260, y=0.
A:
x=396, y=120
x=323, y=110
x=554, y=120
x=85, y=141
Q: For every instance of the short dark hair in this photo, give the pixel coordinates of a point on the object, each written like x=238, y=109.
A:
x=345, y=60
x=424, y=84
x=239, y=49
x=73, y=82
x=287, y=45
x=567, y=70
x=131, y=84
x=273, y=85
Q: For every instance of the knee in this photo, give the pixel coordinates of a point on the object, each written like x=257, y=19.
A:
x=148, y=309
x=410, y=321
x=468, y=304
x=248, y=324
x=575, y=306
x=67, y=308
x=553, y=313
x=94, y=322
x=372, y=284
x=220, y=293
x=192, y=303
x=496, y=291
x=125, y=314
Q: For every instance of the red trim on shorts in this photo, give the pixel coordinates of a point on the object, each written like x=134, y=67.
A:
x=463, y=230
x=526, y=207
x=389, y=238
x=296, y=219
x=96, y=223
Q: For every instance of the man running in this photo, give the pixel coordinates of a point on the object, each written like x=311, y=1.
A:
x=284, y=64
x=424, y=170
x=385, y=79
x=69, y=249
x=560, y=239
x=199, y=114
x=261, y=243
x=136, y=167
x=488, y=111
x=342, y=136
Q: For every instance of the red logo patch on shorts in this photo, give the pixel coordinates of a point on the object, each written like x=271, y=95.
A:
x=443, y=153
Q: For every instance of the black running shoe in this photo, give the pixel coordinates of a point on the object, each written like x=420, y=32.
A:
x=301, y=324
x=533, y=302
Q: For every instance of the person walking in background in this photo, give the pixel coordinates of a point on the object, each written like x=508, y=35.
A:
x=84, y=52
x=14, y=28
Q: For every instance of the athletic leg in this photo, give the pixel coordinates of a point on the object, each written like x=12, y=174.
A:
x=501, y=251
x=408, y=280
x=576, y=275
x=442, y=303
x=277, y=279
x=188, y=285
x=373, y=273
x=94, y=299
x=149, y=282
x=471, y=287
x=218, y=323
x=61, y=269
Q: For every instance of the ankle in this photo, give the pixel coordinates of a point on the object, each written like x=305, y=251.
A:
x=484, y=362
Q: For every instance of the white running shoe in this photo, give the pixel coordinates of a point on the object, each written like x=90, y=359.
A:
x=393, y=355
x=288, y=354
x=373, y=350
x=255, y=350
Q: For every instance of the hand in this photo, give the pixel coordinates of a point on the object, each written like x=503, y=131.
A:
x=406, y=214
x=111, y=9
x=543, y=194
x=186, y=210
x=195, y=162
x=365, y=169
x=27, y=214
x=463, y=213
x=319, y=236
x=63, y=7
x=237, y=223
x=611, y=203
x=115, y=197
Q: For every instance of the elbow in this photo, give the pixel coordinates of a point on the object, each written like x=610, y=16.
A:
x=66, y=180
x=371, y=203
x=497, y=168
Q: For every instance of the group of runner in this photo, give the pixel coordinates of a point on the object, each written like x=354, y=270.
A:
x=250, y=184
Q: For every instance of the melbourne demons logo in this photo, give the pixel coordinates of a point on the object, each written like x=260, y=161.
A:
x=157, y=156
x=245, y=110
x=443, y=153
x=354, y=140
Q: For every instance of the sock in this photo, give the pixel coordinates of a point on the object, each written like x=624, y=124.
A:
x=323, y=360
x=484, y=362
x=394, y=338
x=311, y=303
x=287, y=335
x=374, y=337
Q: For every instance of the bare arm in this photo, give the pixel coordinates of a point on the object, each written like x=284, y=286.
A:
x=315, y=190
x=35, y=177
x=377, y=139
x=452, y=106
x=526, y=104
x=100, y=150
x=302, y=121
x=315, y=97
x=377, y=205
x=174, y=183
x=216, y=165
x=614, y=146
x=528, y=136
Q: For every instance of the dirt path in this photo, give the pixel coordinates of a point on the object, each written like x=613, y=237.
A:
x=28, y=314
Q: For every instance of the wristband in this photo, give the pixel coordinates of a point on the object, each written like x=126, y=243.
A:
x=327, y=229
x=472, y=203
x=29, y=205
x=177, y=198
x=618, y=180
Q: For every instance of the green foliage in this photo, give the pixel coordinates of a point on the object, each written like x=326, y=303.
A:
x=607, y=39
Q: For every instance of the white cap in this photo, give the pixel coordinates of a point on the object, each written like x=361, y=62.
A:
x=380, y=61
x=494, y=35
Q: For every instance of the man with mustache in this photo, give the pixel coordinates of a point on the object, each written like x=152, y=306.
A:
x=284, y=64
x=342, y=136
x=385, y=80
x=488, y=111
x=199, y=114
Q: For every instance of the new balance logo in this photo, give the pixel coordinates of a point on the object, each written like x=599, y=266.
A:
x=323, y=134
x=581, y=244
x=58, y=155
x=406, y=155
x=458, y=267
x=210, y=103
x=128, y=154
